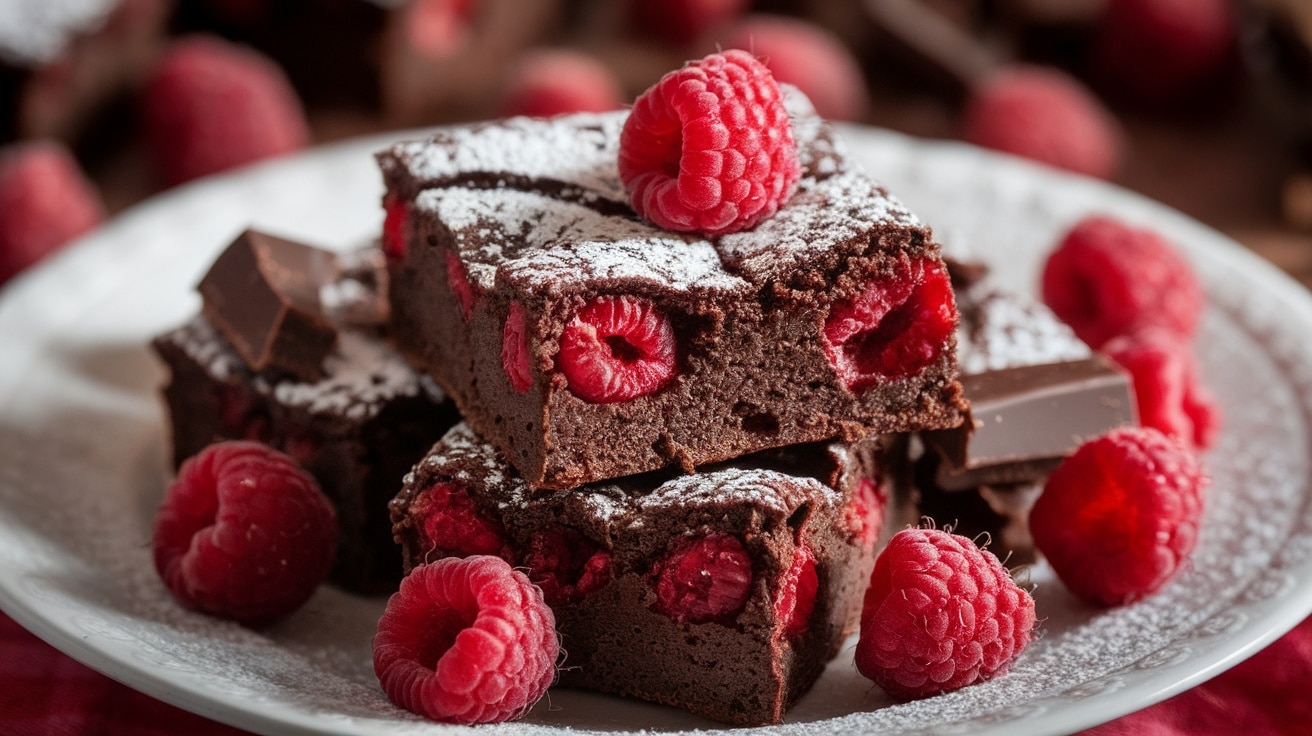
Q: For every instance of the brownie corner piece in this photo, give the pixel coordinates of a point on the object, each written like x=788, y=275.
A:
x=589, y=344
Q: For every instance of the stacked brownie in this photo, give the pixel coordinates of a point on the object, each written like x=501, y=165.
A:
x=702, y=518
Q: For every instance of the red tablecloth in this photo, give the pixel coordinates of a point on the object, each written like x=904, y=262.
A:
x=44, y=693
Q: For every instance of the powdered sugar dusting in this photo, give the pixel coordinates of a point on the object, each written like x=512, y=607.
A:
x=536, y=240
x=1004, y=330
x=360, y=375
x=821, y=215
x=513, y=171
x=769, y=490
x=574, y=150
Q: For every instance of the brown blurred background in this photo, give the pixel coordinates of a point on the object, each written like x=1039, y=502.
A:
x=1210, y=98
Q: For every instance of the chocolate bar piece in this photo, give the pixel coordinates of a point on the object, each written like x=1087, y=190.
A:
x=1025, y=419
x=263, y=296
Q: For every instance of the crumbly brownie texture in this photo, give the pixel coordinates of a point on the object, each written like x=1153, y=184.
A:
x=527, y=217
x=746, y=666
x=358, y=430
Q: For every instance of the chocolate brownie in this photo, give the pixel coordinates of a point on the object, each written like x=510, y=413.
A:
x=509, y=240
x=1036, y=393
x=358, y=429
x=761, y=533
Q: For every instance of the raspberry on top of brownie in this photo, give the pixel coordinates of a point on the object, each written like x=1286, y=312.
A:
x=588, y=343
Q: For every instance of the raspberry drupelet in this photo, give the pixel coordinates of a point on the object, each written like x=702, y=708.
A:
x=47, y=201
x=708, y=148
x=940, y=614
x=1107, y=278
x=244, y=533
x=466, y=640
x=1119, y=517
x=211, y=105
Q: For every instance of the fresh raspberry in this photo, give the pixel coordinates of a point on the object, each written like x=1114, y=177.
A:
x=865, y=513
x=703, y=579
x=894, y=328
x=940, y=614
x=453, y=527
x=1106, y=278
x=616, y=349
x=466, y=640
x=244, y=533
x=803, y=54
x=1044, y=115
x=516, y=358
x=46, y=200
x=395, y=220
x=210, y=106
x=1119, y=516
x=551, y=82
x=709, y=147
x=565, y=565
x=1163, y=52
x=440, y=29
x=681, y=21
x=1169, y=394
x=797, y=589
x=457, y=279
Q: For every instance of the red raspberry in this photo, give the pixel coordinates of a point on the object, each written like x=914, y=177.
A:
x=395, y=219
x=210, y=106
x=440, y=29
x=566, y=565
x=709, y=147
x=244, y=533
x=1161, y=52
x=457, y=279
x=681, y=21
x=551, y=82
x=894, y=328
x=453, y=527
x=703, y=579
x=797, y=589
x=46, y=200
x=1119, y=516
x=616, y=349
x=1106, y=278
x=1169, y=394
x=1044, y=115
x=516, y=358
x=940, y=614
x=806, y=56
x=466, y=640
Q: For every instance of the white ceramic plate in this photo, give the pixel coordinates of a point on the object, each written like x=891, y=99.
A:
x=82, y=467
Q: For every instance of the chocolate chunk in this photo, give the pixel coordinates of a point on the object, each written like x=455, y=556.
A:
x=262, y=294
x=1024, y=420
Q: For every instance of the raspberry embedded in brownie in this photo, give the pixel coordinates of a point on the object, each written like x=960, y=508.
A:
x=589, y=344
x=723, y=593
